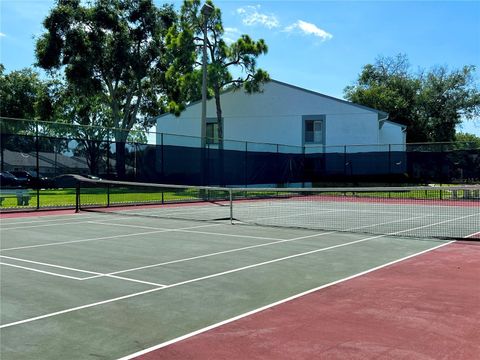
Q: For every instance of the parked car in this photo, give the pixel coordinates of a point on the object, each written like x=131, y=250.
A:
x=8, y=180
x=30, y=179
x=68, y=181
x=94, y=177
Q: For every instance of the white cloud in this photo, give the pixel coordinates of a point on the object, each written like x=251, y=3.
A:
x=2, y=34
x=252, y=16
x=232, y=30
x=308, y=29
x=230, y=35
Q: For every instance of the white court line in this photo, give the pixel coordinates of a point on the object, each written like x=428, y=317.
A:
x=252, y=312
x=274, y=242
x=128, y=279
x=183, y=283
x=177, y=284
x=214, y=254
x=103, y=238
x=346, y=230
x=435, y=224
x=96, y=274
x=113, y=217
x=41, y=271
x=322, y=211
x=4, y=222
x=221, y=252
x=125, y=225
x=49, y=265
x=43, y=225
x=472, y=235
x=315, y=208
x=195, y=232
x=219, y=274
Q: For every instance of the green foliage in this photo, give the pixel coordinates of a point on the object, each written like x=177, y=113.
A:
x=113, y=51
x=21, y=101
x=19, y=93
x=188, y=39
x=467, y=138
x=431, y=103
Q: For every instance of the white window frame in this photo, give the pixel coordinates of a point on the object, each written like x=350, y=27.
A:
x=317, y=119
x=215, y=140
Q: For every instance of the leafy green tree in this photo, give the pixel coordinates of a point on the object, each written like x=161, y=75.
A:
x=84, y=117
x=113, y=48
x=431, y=103
x=445, y=97
x=18, y=93
x=467, y=138
x=188, y=38
x=20, y=98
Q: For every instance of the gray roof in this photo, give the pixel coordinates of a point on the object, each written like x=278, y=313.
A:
x=383, y=114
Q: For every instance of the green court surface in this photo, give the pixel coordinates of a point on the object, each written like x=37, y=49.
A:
x=103, y=286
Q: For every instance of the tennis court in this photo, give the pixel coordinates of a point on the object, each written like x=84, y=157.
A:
x=143, y=282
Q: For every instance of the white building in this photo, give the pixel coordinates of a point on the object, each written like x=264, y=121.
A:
x=288, y=115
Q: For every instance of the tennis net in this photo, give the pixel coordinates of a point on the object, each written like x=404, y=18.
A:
x=451, y=212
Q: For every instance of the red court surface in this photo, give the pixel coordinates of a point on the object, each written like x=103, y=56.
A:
x=426, y=307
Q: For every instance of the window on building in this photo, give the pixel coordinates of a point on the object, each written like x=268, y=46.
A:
x=212, y=131
x=314, y=130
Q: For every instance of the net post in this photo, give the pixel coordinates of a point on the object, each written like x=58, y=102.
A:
x=230, y=194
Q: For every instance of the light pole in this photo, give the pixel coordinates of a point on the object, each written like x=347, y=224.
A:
x=206, y=12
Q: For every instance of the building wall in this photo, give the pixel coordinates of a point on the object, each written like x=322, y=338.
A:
x=275, y=116
x=390, y=134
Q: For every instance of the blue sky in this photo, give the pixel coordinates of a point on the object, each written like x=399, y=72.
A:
x=318, y=45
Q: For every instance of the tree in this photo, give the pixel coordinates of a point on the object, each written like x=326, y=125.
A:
x=188, y=37
x=83, y=117
x=445, y=98
x=430, y=103
x=114, y=49
x=470, y=139
x=19, y=94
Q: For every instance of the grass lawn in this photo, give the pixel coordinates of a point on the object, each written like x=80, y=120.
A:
x=94, y=196
x=98, y=196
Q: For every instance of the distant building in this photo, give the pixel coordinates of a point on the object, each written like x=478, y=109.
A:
x=288, y=115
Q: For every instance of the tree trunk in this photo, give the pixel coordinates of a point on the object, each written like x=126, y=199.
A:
x=120, y=142
x=221, y=154
x=120, y=159
x=92, y=148
x=219, y=118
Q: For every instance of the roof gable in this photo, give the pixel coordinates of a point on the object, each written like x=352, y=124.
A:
x=381, y=114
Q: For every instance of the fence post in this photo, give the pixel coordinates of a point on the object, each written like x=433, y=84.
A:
x=246, y=163
x=108, y=195
x=77, y=197
x=108, y=154
x=304, y=162
x=231, y=205
x=162, y=164
x=2, y=140
x=390, y=161
x=37, y=163
x=135, y=150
